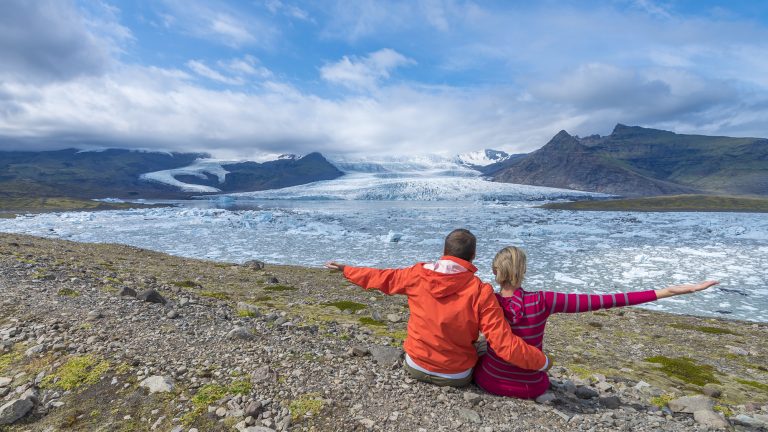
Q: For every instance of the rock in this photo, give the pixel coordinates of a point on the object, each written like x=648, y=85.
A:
x=15, y=410
x=546, y=397
x=737, y=350
x=711, y=391
x=261, y=374
x=37, y=349
x=93, y=315
x=241, y=333
x=604, y=386
x=272, y=280
x=472, y=398
x=172, y=314
x=254, y=265
x=610, y=402
x=359, y=351
x=367, y=423
x=152, y=296
x=5, y=381
x=584, y=392
x=251, y=309
x=253, y=409
x=690, y=404
x=745, y=420
x=258, y=429
x=385, y=355
x=469, y=415
x=158, y=384
x=394, y=318
x=709, y=418
x=127, y=292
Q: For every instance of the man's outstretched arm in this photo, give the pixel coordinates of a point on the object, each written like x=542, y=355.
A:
x=388, y=281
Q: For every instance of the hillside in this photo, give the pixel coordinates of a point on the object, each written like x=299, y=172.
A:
x=636, y=161
x=295, y=349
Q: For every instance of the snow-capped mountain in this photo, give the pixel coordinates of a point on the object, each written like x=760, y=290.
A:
x=481, y=158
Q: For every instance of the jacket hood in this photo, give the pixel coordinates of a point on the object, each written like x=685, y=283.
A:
x=444, y=284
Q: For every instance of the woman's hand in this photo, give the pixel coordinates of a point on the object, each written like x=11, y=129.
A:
x=684, y=289
x=335, y=266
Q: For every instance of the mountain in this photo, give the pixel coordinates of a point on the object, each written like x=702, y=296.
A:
x=123, y=174
x=205, y=176
x=636, y=161
x=87, y=174
x=481, y=158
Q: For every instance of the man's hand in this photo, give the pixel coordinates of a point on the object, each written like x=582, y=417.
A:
x=684, y=289
x=335, y=266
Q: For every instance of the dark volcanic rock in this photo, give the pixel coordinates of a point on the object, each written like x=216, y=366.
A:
x=152, y=296
x=127, y=292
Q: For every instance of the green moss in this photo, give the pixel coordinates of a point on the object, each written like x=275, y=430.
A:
x=755, y=384
x=215, y=294
x=704, y=329
x=723, y=409
x=7, y=216
x=346, y=305
x=185, y=284
x=262, y=298
x=208, y=395
x=595, y=324
x=580, y=371
x=279, y=288
x=7, y=359
x=685, y=369
x=77, y=372
x=661, y=401
x=372, y=322
x=241, y=387
x=307, y=403
x=242, y=313
x=68, y=292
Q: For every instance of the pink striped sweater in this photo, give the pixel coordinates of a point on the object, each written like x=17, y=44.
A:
x=527, y=313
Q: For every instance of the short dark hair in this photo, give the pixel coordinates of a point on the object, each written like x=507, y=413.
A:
x=461, y=243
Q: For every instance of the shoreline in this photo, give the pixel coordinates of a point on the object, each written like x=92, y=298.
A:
x=669, y=204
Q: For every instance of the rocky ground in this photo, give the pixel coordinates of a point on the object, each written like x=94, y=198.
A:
x=114, y=338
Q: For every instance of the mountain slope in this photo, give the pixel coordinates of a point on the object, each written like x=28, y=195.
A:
x=635, y=161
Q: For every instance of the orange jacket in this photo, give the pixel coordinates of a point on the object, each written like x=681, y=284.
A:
x=447, y=311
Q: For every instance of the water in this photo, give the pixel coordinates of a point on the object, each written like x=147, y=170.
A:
x=568, y=251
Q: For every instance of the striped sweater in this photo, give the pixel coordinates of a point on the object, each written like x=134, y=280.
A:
x=527, y=313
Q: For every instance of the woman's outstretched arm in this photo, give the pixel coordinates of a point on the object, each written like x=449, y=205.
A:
x=575, y=303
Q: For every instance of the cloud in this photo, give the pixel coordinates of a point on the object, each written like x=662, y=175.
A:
x=364, y=73
x=235, y=72
x=53, y=40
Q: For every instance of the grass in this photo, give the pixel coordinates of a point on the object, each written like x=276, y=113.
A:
x=215, y=294
x=672, y=203
x=209, y=394
x=68, y=292
x=346, y=305
x=279, y=288
x=262, y=298
x=34, y=205
x=7, y=216
x=685, y=369
x=755, y=384
x=77, y=372
x=304, y=404
x=372, y=322
x=705, y=329
x=661, y=401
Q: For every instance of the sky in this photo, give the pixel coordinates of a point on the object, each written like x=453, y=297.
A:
x=239, y=79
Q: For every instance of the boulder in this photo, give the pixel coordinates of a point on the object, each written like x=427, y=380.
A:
x=5, y=381
x=152, y=296
x=158, y=384
x=546, y=397
x=127, y=292
x=254, y=265
x=610, y=402
x=691, y=404
x=14, y=410
x=251, y=309
x=584, y=392
x=385, y=355
x=710, y=419
x=241, y=333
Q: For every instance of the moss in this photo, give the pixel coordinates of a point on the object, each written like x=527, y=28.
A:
x=208, y=395
x=580, y=371
x=279, y=288
x=595, y=324
x=399, y=335
x=185, y=284
x=242, y=313
x=723, y=409
x=68, y=292
x=304, y=404
x=705, y=329
x=241, y=387
x=77, y=372
x=7, y=216
x=755, y=384
x=346, y=305
x=661, y=401
x=685, y=369
x=215, y=294
x=264, y=298
x=372, y=322
x=6, y=360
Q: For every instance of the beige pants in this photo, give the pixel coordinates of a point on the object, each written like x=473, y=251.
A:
x=481, y=346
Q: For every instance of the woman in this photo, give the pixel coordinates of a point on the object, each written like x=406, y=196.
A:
x=527, y=314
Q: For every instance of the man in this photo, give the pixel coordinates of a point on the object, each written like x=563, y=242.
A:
x=449, y=306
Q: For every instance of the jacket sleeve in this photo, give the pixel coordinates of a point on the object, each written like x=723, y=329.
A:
x=388, y=281
x=510, y=347
x=574, y=303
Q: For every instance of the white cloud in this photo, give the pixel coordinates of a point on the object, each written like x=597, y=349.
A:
x=364, y=73
x=201, y=69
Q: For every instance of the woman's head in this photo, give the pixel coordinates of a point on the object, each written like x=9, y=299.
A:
x=509, y=266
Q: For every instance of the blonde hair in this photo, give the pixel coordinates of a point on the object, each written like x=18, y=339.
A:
x=509, y=266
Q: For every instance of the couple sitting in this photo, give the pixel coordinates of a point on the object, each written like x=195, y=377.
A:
x=449, y=305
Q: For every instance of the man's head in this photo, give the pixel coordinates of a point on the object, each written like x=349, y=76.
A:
x=460, y=243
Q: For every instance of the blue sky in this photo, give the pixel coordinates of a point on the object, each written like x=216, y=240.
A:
x=242, y=78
